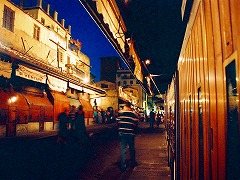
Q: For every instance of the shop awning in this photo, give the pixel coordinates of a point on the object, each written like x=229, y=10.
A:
x=60, y=96
x=36, y=100
x=5, y=69
x=74, y=102
x=88, y=88
x=12, y=99
x=56, y=84
x=74, y=86
x=86, y=105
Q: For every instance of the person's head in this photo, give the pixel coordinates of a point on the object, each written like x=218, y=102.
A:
x=65, y=110
x=128, y=104
x=80, y=108
x=73, y=108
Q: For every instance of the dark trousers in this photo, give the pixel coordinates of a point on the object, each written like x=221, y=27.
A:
x=127, y=139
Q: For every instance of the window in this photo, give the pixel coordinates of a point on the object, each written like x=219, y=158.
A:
x=68, y=60
x=132, y=77
x=131, y=82
x=104, y=86
x=36, y=32
x=8, y=18
x=119, y=83
x=232, y=124
x=60, y=56
x=43, y=21
x=124, y=82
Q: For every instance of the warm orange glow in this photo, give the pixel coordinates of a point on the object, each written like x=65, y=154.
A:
x=147, y=61
x=12, y=99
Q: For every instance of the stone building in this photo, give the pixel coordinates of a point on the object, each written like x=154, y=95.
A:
x=109, y=99
x=42, y=69
x=130, y=90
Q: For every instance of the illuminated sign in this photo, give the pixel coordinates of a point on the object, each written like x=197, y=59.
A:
x=30, y=74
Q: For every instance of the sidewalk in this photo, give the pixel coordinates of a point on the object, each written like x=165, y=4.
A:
x=96, y=128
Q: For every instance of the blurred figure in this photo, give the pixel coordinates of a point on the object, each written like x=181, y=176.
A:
x=63, y=130
x=158, y=118
x=80, y=127
x=95, y=115
x=72, y=117
x=152, y=118
x=127, y=123
x=99, y=117
x=110, y=117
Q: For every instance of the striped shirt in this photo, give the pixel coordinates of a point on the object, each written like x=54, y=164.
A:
x=127, y=122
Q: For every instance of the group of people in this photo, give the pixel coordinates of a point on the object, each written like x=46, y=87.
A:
x=77, y=125
x=127, y=121
x=101, y=116
x=155, y=117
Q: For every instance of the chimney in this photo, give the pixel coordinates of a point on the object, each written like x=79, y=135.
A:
x=48, y=9
x=39, y=3
x=69, y=29
x=63, y=22
x=21, y=3
x=55, y=15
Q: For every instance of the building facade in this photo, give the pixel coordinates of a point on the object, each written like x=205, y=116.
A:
x=109, y=99
x=130, y=90
x=42, y=69
x=109, y=67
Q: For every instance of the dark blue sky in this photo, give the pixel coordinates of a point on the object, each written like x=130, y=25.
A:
x=94, y=44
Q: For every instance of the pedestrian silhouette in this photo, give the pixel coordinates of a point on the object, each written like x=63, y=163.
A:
x=152, y=118
x=127, y=123
x=63, y=130
x=72, y=117
x=80, y=127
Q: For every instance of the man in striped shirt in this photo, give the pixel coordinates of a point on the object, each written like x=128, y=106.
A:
x=127, y=122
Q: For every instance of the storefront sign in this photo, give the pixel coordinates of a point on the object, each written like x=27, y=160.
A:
x=30, y=74
x=56, y=84
x=5, y=69
x=74, y=86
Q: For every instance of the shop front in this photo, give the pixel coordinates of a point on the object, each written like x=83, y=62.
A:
x=13, y=112
x=40, y=113
x=60, y=102
x=88, y=111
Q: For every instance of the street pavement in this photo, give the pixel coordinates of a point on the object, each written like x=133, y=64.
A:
x=38, y=156
x=151, y=155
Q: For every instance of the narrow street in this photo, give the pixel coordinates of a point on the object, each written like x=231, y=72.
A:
x=43, y=158
x=151, y=154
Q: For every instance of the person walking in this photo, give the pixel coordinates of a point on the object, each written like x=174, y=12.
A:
x=158, y=118
x=63, y=130
x=72, y=117
x=127, y=122
x=80, y=127
x=152, y=118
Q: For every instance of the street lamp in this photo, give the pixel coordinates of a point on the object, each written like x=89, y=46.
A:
x=145, y=63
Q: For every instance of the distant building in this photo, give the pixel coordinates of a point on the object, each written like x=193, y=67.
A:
x=109, y=67
x=110, y=99
x=130, y=90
